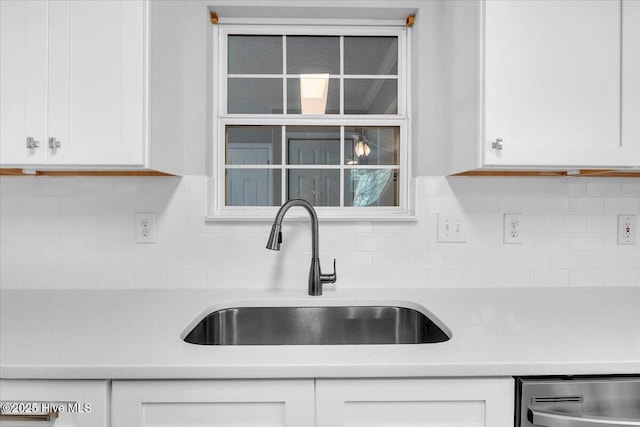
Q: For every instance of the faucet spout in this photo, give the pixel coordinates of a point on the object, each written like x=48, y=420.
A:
x=316, y=278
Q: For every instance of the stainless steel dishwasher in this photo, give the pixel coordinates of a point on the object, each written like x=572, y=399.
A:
x=579, y=401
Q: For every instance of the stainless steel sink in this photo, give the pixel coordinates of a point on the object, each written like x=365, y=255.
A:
x=327, y=325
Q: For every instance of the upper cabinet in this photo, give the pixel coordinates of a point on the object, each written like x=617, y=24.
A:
x=75, y=78
x=631, y=74
x=543, y=85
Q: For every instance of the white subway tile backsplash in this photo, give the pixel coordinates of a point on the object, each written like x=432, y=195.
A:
x=60, y=224
x=574, y=223
x=46, y=205
x=586, y=277
x=37, y=242
x=372, y=242
x=11, y=242
x=551, y=277
x=121, y=279
x=630, y=258
x=570, y=187
x=20, y=186
x=601, y=223
x=621, y=277
x=621, y=205
x=12, y=205
x=568, y=260
x=603, y=188
x=586, y=241
x=188, y=279
x=42, y=279
x=387, y=260
x=151, y=279
x=586, y=205
x=21, y=261
x=409, y=242
x=630, y=187
x=78, y=232
x=134, y=260
x=604, y=259
x=18, y=223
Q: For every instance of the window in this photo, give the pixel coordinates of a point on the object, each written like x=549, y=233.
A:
x=318, y=113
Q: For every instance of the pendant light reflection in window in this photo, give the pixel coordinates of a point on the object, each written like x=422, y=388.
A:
x=361, y=148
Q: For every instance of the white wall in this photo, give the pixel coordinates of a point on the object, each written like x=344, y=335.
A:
x=79, y=233
x=427, y=120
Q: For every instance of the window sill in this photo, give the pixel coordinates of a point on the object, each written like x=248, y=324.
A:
x=322, y=216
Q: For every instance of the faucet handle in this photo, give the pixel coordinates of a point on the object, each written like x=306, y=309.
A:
x=329, y=278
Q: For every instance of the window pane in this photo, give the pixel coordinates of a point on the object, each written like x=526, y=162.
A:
x=371, y=187
x=307, y=54
x=254, y=96
x=372, y=145
x=369, y=96
x=255, y=55
x=318, y=187
x=371, y=55
x=294, y=104
x=253, y=145
x=311, y=145
x=253, y=187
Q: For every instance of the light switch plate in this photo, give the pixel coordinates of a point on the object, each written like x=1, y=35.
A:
x=452, y=228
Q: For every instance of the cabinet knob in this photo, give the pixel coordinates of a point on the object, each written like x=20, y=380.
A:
x=32, y=144
x=497, y=144
x=54, y=143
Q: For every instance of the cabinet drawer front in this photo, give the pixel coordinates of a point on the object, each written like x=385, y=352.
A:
x=415, y=402
x=81, y=403
x=213, y=403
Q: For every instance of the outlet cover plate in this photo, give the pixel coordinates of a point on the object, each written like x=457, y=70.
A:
x=512, y=229
x=452, y=228
x=627, y=229
x=145, y=228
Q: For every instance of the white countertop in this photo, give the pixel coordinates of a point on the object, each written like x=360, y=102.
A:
x=136, y=334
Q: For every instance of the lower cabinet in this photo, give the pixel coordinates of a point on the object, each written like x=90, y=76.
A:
x=415, y=402
x=213, y=403
x=320, y=403
x=64, y=403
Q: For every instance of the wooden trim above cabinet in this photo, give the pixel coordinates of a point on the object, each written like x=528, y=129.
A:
x=597, y=173
x=20, y=172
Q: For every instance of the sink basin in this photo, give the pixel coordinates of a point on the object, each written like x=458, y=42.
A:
x=308, y=325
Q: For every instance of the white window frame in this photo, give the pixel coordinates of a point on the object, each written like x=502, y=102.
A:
x=216, y=209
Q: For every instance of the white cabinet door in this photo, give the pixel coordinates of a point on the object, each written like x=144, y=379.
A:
x=96, y=82
x=81, y=403
x=23, y=81
x=72, y=76
x=415, y=402
x=213, y=403
x=631, y=75
x=552, y=84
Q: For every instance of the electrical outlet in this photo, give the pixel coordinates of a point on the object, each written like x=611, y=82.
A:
x=451, y=229
x=512, y=229
x=627, y=229
x=145, y=228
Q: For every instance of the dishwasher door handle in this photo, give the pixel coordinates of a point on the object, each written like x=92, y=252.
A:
x=29, y=416
x=542, y=418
